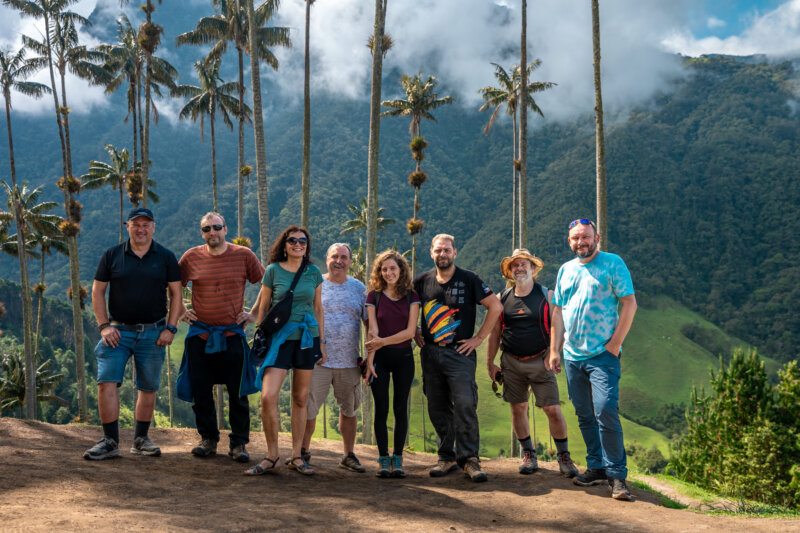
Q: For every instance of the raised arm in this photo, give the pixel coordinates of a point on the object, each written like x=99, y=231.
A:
x=493, y=310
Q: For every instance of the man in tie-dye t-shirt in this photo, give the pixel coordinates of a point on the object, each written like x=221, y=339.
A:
x=594, y=308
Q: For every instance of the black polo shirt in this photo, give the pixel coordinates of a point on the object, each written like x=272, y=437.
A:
x=137, y=291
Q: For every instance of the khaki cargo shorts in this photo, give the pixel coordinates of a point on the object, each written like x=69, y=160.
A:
x=346, y=389
x=519, y=376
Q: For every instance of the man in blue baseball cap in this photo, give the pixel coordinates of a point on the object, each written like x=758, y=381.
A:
x=137, y=273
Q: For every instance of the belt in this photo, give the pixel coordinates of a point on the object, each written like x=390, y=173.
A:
x=139, y=327
x=525, y=357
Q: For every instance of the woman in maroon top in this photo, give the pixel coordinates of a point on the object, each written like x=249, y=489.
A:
x=393, y=310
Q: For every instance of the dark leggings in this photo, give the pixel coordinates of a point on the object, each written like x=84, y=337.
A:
x=399, y=362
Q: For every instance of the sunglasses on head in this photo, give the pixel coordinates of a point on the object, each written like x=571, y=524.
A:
x=217, y=227
x=584, y=221
x=296, y=240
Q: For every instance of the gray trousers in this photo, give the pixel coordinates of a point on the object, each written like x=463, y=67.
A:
x=448, y=381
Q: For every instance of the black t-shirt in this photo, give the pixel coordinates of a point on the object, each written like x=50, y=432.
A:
x=137, y=287
x=448, y=310
x=525, y=322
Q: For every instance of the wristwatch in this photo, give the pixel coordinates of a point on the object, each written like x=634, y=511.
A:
x=323, y=341
x=172, y=329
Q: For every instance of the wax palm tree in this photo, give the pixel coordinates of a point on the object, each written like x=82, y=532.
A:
x=47, y=244
x=421, y=99
x=54, y=13
x=359, y=221
x=212, y=96
x=116, y=174
x=124, y=62
x=13, y=379
x=231, y=26
x=306, y=173
x=13, y=70
x=506, y=96
x=600, y=137
x=523, y=132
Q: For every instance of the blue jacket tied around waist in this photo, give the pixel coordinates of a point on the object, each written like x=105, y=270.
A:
x=217, y=342
x=306, y=341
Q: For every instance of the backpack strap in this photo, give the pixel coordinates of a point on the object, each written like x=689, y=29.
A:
x=377, y=299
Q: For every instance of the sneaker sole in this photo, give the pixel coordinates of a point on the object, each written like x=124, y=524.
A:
x=203, y=454
x=107, y=455
x=442, y=473
x=240, y=459
x=480, y=478
x=385, y=474
x=576, y=481
x=398, y=474
x=569, y=475
x=135, y=451
x=350, y=468
x=528, y=471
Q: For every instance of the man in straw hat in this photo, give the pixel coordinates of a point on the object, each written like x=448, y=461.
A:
x=523, y=331
x=594, y=305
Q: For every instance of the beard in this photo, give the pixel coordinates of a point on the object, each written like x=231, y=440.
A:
x=587, y=252
x=444, y=262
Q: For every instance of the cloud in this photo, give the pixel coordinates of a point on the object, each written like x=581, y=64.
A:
x=775, y=33
x=714, y=22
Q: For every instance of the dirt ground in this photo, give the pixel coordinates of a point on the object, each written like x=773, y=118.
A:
x=46, y=485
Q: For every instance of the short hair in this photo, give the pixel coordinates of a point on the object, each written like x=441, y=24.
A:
x=444, y=236
x=278, y=251
x=376, y=281
x=212, y=214
x=339, y=245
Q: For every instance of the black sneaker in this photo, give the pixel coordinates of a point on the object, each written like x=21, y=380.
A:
x=144, y=446
x=619, y=489
x=206, y=448
x=529, y=463
x=566, y=466
x=106, y=448
x=239, y=454
x=592, y=476
x=350, y=462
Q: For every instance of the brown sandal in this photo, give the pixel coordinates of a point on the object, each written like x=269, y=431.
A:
x=303, y=467
x=259, y=470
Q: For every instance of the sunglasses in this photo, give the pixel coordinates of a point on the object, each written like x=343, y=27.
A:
x=498, y=380
x=217, y=227
x=584, y=221
x=297, y=240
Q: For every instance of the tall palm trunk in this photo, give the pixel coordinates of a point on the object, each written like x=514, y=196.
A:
x=169, y=384
x=135, y=95
x=214, y=166
x=147, y=103
x=121, y=224
x=141, y=122
x=600, y=138
x=515, y=189
x=240, y=158
x=25, y=292
x=39, y=309
x=72, y=243
x=523, y=130
x=258, y=128
x=306, y=179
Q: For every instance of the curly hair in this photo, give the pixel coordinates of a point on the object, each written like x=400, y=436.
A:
x=376, y=281
x=278, y=251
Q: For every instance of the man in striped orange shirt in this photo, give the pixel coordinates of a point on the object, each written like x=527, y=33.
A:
x=215, y=345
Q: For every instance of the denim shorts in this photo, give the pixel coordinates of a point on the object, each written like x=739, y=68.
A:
x=147, y=356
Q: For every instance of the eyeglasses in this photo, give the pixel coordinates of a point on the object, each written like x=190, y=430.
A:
x=498, y=380
x=584, y=221
x=217, y=227
x=297, y=240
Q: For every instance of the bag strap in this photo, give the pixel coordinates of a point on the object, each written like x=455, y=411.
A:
x=297, y=275
x=378, y=299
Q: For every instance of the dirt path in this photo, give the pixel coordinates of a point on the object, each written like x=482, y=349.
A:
x=45, y=484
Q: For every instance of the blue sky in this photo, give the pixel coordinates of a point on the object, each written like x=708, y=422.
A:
x=725, y=18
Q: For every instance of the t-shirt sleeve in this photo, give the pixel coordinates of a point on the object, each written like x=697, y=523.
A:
x=558, y=294
x=621, y=279
x=186, y=270
x=103, y=273
x=479, y=288
x=173, y=269
x=255, y=270
x=269, y=276
x=415, y=298
x=370, y=299
x=317, y=276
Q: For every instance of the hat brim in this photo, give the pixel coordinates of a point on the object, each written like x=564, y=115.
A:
x=505, y=265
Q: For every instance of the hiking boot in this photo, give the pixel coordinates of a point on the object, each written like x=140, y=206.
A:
x=619, y=489
x=239, y=454
x=305, y=454
x=566, y=466
x=442, y=468
x=350, y=462
x=206, y=448
x=592, y=476
x=144, y=446
x=384, y=466
x=397, y=466
x=472, y=469
x=106, y=448
x=529, y=463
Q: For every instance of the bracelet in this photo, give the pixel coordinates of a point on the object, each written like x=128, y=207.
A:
x=323, y=341
x=103, y=326
x=172, y=329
